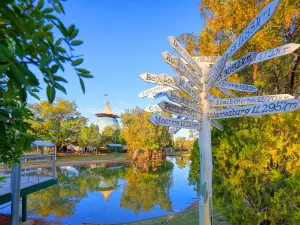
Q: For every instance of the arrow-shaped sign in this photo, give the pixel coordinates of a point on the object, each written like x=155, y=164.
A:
x=153, y=108
x=178, y=110
x=174, y=130
x=183, y=69
x=174, y=97
x=187, y=88
x=215, y=72
x=253, y=27
x=155, y=90
x=249, y=100
x=171, y=122
x=236, y=65
x=237, y=87
x=180, y=50
x=150, y=77
x=275, y=52
x=167, y=80
x=217, y=125
x=257, y=109
x=224, y=90
x=206, y=59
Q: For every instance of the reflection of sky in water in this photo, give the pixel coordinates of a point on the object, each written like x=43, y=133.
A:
x=93, y=208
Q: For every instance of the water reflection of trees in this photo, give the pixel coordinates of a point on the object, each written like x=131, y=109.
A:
x=182, y=161
x=72, y=186
x=148, y=186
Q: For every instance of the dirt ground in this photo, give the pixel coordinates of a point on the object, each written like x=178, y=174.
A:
x=5, y=220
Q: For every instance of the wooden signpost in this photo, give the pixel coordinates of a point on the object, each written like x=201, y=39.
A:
x=206, y=108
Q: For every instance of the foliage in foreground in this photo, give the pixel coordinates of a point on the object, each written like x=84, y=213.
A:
x=256, y=169
x=27, y=44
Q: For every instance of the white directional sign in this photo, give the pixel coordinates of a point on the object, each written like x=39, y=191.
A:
x=215, y=72
x=236, y=65
x=217, y=125
x=249, y=100
x=167, y=80
x=257, y=109
x=155, y=90
x=180, y=50
x=171, y=122
x=275, y=52
x=183, y=85
x=225, y=91
x=174, y=130
x=237, y=87
x=253, y=27
x=183, y=69
x=178, y=110
x=150, y=77
x=153, y=108
x=174, y=97
x=206, y=59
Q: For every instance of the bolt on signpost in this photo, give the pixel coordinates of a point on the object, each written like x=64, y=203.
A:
x=201, y=110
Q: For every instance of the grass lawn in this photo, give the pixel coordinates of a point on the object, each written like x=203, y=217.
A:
x=73, y=158
x=188, y=217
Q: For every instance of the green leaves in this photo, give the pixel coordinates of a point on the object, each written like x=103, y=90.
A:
x=50, y=93
x=47, y=10
x=27, y=41
x=82, y=85
x=40, y=5
x=46, y=59
x=81, y=70
x=86, y=75
x=74, y=34
x=76, y=42
x=77, y=62
x=57, y=78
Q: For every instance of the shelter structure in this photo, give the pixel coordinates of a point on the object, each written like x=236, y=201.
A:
x=43, y=147
x=114, y=148
x=106, y=118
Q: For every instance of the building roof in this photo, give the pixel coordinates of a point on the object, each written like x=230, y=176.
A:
x=107, y=112
x=115, y=145
x=43, y=143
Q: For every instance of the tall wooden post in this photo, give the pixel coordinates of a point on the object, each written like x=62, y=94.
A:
x=204, y=142
x=15, y=192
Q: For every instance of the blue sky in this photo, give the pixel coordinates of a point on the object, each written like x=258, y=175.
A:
x=123, y=39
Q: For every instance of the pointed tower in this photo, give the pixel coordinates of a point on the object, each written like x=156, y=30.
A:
x=106, y=118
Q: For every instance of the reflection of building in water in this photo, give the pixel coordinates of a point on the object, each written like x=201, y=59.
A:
x=107, y=187
x=109, y=182
x=106, y=118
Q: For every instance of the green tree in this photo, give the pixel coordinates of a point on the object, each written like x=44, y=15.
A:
x=27, y=43
x=90, y=136
x=142, y=135
x=61, y=121
x=182, y=143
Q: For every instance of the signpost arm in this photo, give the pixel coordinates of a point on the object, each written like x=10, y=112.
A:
x=204, y=141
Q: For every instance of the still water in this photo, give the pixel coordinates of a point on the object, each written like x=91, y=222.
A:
x=114, y=193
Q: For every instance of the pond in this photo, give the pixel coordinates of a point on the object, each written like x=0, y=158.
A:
x=114, y=193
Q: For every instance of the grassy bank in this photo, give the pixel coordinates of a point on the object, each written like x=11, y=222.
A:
x=84, y=158
x=73, y=160
x=187, y=217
